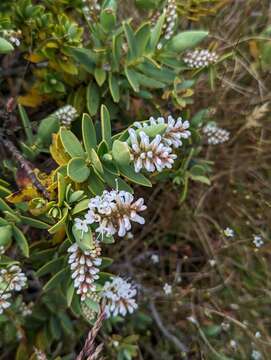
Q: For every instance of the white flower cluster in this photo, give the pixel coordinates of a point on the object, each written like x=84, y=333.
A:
x=258, y=241
x=215, y=135
x=11, y=279
x=66, y=115
x=2, y=250
x=200, y=58
x=157, y=154
x=84, y=267
x=170, y=20
x=12, y=36
x=90, y=7
x=119, y=296
x=113, y=211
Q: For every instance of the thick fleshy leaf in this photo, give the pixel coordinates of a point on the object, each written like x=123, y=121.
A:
x=71, y=144
x=78, y=170
x=89, y=133
x=21, y=241
x=121, y=153
x=57, y=279
x=114, y=87
x=5, y=46
x=52, y=267
x=106, y=125
x=93, y=98
x=132, y=78
x=132, y=54
x=186, y=40
x=129, y=172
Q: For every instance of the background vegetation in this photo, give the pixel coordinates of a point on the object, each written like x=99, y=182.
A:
x=219, y=306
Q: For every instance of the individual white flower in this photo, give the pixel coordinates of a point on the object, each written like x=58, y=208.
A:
x=200, y=58
x=150, y=155
x=192, y=320
x=233, y=344
x=40, y=355
x=258, y=335
x=212, y=262
x=225, y=326
x=13, y=277
x=155, y=258
x=256, y=355
x=66, y=115
x=4, y=302
x=228, y=232
x=167, y=289
x=215, y=135
x=114, y=211
x=258, y=241
x=82, y=224
x=84, y=268
x=119, y=296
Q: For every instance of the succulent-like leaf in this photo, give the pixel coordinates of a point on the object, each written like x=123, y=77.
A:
x=78, y=170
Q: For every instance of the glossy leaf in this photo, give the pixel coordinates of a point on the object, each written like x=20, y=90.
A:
x=130, y=174
x=21, y=241
x=71, y=144
x=114, y=87
x=121, y=153
x=88, y=133
x=78, y=169
x=93, y=98
x=132, y=78
x=106, y=125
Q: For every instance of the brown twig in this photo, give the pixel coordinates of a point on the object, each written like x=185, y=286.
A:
x=89, y=351
x=24, y=164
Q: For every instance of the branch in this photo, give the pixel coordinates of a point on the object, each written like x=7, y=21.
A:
x=24, y=164
x=89, y=351
x=182, y=347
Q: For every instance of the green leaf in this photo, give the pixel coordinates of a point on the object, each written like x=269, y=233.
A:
x=200, y=178
x=106, y=261
x=186, y=40
x=81, y=206
x=5, y=46
x=95, y=184
x=21, y=241
x=26, y=124
x=93, y=305
x=114, y=87
x=71, y=144
x=149, y=82
x=84, y=57
x=83, y=239
x=108, y=19
x=156, y=34
x=69, y=294
x=55, y=228
x=130, y=174
x=47, y=127
x=121, y=153
x=132, y=54
x=57, y=279
x=132, y=78
x=4, y=206
x=88, y=133
x=61, y=187
x=35, y=223
x=106, y=125
x=96, y=162
x=93, y=98
x=5, y=235
x=100, y=76
x=78, y=170
x=142, y=37
x=51, y=267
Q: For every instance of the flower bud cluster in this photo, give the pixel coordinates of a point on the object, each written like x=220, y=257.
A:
x=215, y=135
x=66, y=115
x=200, y=58
x=11, y=279
x=90, y=7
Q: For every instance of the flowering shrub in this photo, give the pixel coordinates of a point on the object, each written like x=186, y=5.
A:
x=100, y=146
